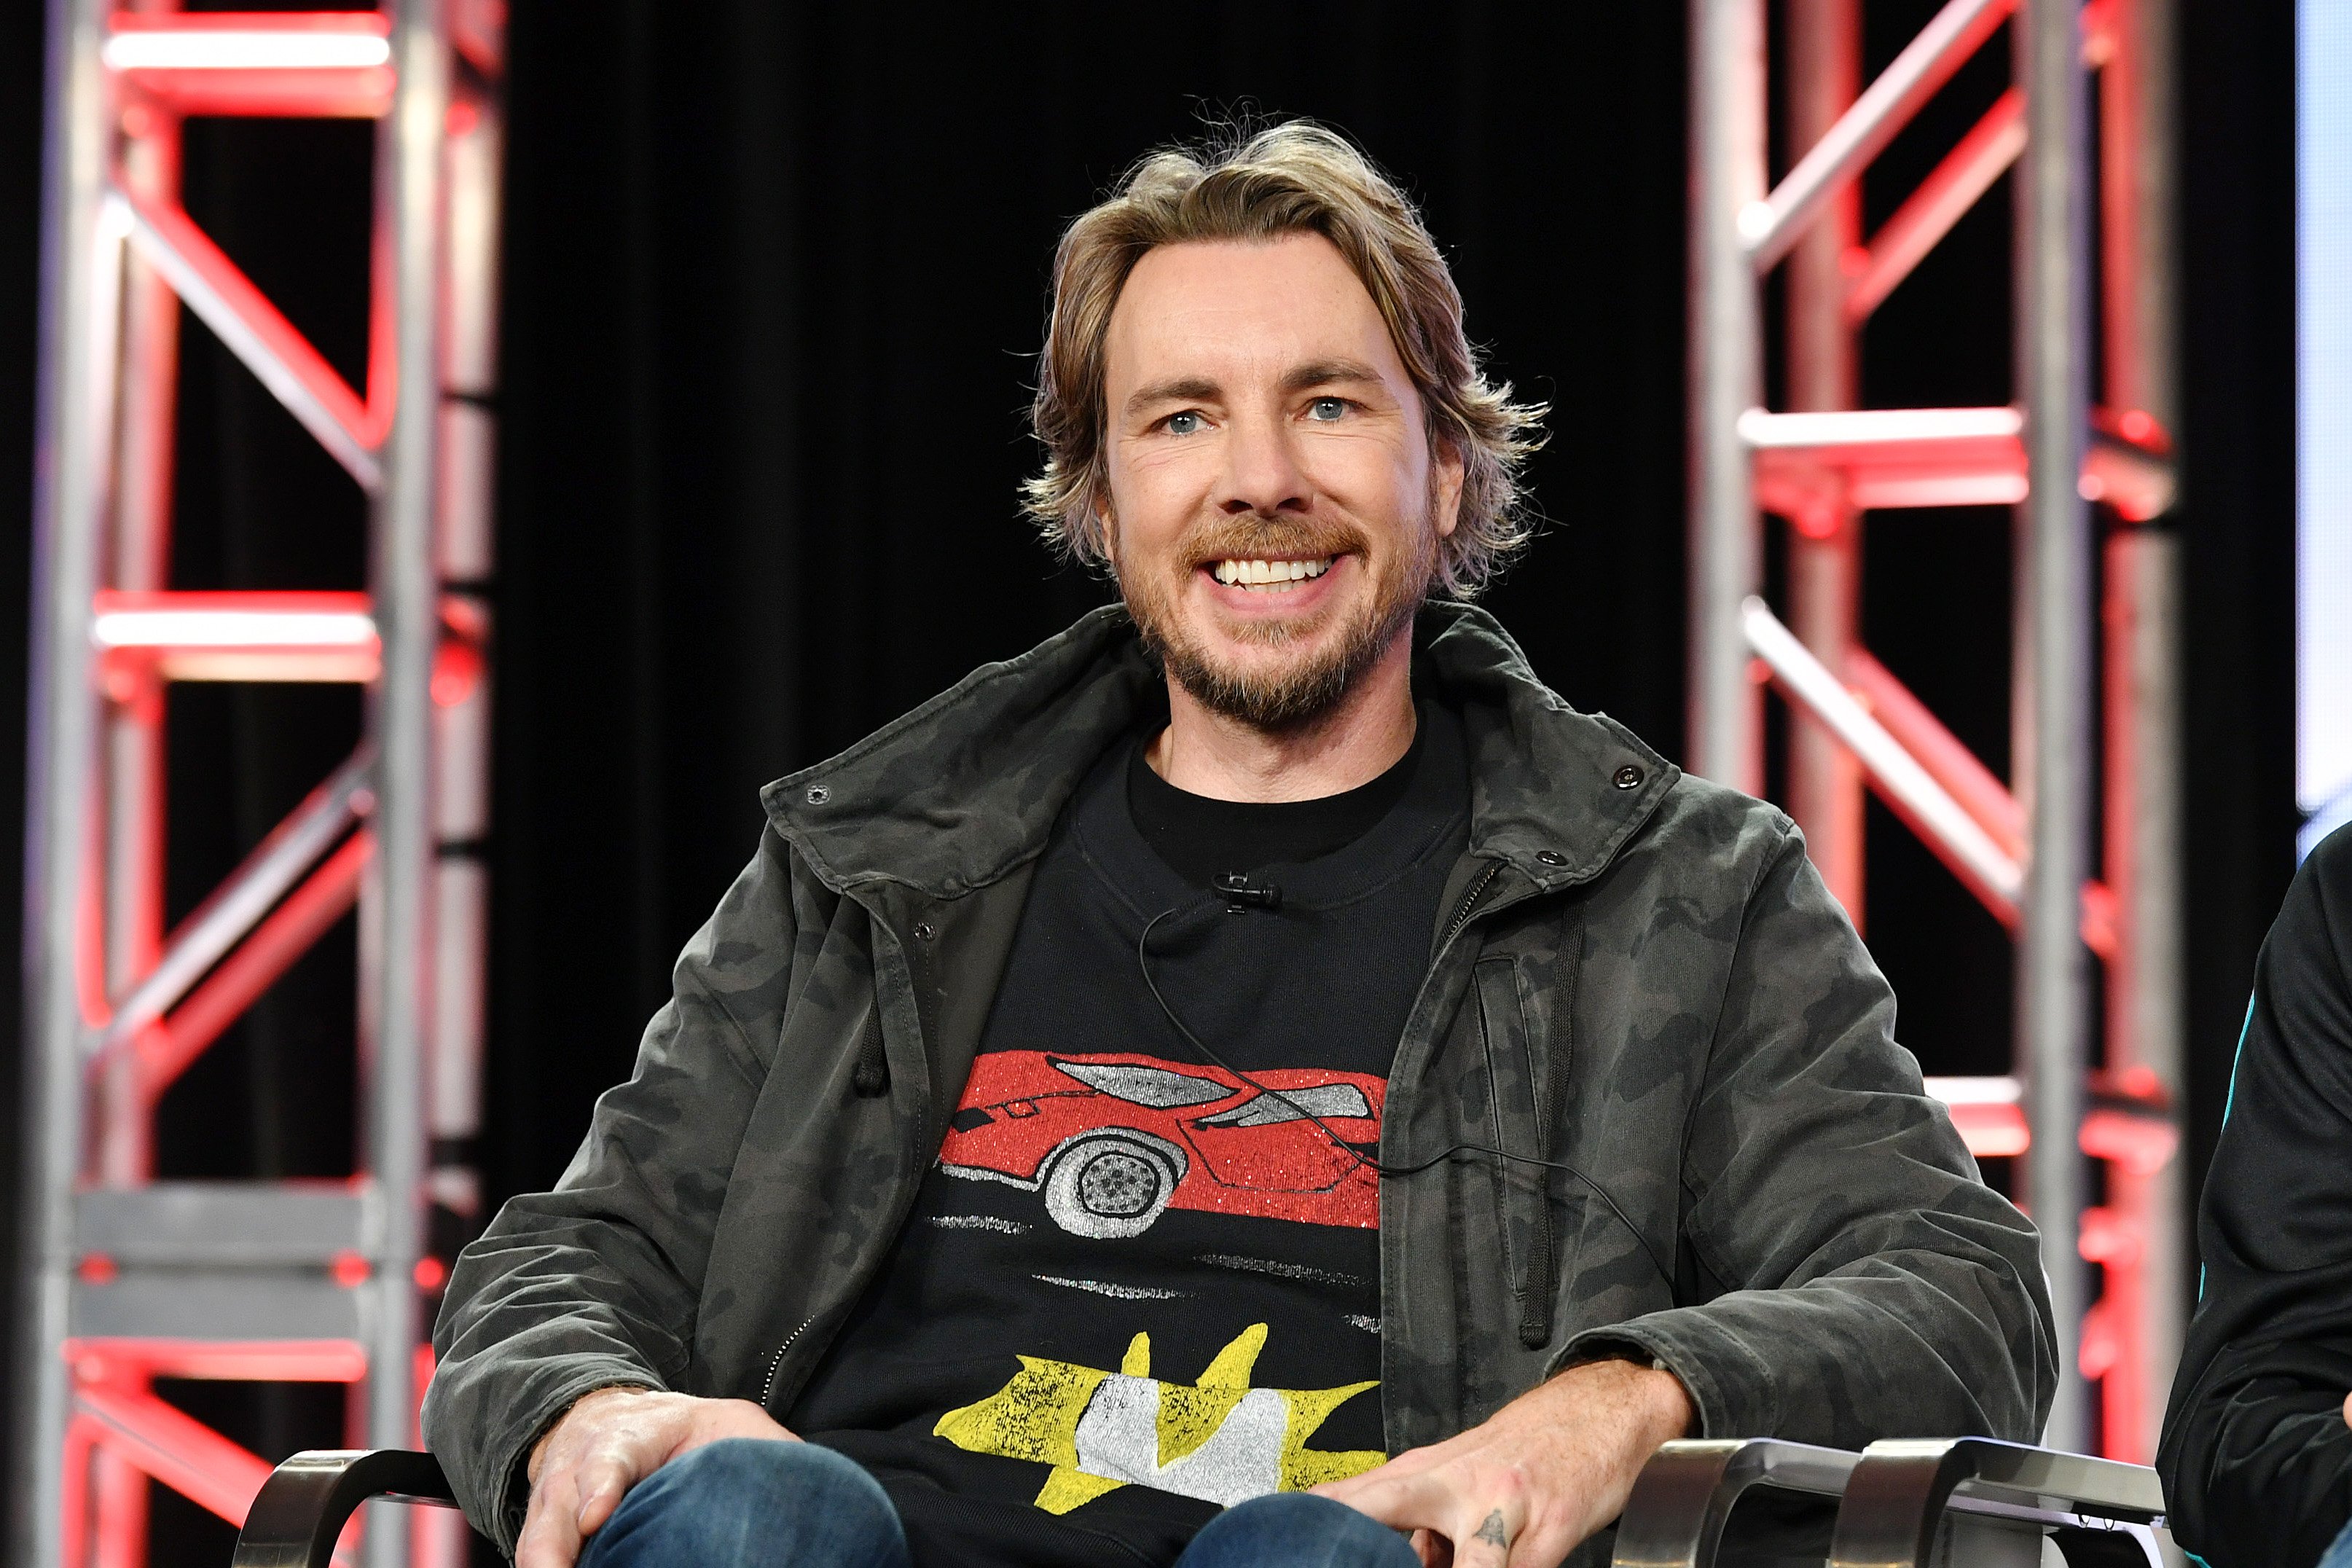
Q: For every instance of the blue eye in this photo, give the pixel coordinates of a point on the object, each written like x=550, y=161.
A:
x=1185, y=423
x=1327, y=409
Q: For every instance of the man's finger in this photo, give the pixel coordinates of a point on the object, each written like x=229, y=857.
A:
x=551, y=1530
x=1399, y=1498
x=1487, y=1542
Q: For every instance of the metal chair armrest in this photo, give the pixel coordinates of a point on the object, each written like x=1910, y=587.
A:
x=302, y=1507
x=1680, y=1503
x=1899, y=1494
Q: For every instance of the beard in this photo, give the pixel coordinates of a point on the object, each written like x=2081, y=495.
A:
x=1291, y=697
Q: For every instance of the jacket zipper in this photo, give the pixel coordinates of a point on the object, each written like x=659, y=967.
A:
x=1469, y=902
x=768, y=1391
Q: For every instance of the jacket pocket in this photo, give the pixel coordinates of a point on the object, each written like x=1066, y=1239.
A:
x=1519, y=1123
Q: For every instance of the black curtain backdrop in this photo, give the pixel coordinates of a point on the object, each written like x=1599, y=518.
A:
x=774, y=276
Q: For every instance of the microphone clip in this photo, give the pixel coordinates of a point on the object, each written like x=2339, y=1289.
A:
x=1240, y=893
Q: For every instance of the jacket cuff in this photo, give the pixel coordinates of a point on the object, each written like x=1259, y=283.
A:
x=508, y=1454
x=1730, y=1383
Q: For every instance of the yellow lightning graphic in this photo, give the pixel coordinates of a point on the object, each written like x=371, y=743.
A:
x=1219, y=1438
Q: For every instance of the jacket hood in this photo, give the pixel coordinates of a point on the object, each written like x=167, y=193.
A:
x=958, y=792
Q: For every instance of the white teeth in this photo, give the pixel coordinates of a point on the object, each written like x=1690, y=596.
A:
x=1273, y=576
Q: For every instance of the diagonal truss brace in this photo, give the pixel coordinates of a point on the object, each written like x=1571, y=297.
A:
x=240, y=902
x=1982, y=839
x=1769, y=229
x=255, y=330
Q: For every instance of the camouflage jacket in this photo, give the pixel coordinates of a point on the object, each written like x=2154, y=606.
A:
x=1637, y=973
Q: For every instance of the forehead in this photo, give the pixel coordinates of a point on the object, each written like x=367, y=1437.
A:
x=1234, y=307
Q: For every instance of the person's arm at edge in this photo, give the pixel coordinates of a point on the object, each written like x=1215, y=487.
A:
x=595, y=1284
x=2257, y=1459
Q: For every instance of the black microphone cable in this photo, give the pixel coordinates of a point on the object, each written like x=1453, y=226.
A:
x=1237, y=887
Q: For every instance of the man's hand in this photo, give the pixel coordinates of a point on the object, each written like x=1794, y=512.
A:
x=608, y=1442
x=1543, y=1473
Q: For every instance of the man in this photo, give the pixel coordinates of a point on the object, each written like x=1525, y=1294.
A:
x=2257, y=1454
x=1258, y=1077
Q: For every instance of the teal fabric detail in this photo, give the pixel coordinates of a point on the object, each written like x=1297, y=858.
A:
x=2235, y=1056
x=2229, y=1100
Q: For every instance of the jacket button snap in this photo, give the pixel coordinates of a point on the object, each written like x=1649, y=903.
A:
x=1627, y=777
x=1551, y=857
x=925, y=931
x=818, y=795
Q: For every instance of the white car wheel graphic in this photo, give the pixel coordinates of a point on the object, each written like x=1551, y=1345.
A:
x=1108, y=1187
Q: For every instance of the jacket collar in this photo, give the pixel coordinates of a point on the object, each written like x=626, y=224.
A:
x=957, y=793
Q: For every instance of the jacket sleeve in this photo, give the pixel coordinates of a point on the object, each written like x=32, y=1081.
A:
x=2257, y=1460
x=596, y=1284
x=1847, y=1275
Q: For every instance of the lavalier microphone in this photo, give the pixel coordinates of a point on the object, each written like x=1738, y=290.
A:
x=1241, y=893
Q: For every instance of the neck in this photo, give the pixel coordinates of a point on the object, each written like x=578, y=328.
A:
x=1204, y=752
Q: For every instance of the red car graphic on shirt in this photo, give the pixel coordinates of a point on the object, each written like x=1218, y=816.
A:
x=1112, y=1141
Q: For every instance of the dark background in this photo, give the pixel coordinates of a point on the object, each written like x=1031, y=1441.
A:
x=774, y=277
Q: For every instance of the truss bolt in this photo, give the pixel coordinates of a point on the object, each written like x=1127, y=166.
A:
x=1627, y=777
x=818, y=795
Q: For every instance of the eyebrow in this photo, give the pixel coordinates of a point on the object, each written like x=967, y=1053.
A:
x=1200, y=389
x=1177, y=389
x=1325, y=372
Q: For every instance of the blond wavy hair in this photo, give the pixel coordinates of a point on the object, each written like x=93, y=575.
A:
x=1290, y=178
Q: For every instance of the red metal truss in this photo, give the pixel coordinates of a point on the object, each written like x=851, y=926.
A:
x=1825, y=462
x=242, y=317
x=309, y=65
x=1813, y=468
x=267, y=1282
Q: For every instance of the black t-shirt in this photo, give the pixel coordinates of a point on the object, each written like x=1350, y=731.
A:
x=1135, y=1287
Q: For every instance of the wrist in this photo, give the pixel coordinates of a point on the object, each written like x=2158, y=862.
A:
x=594, y=1398
x=1674, y=1412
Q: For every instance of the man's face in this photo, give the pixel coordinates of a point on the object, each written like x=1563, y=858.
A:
x=1275, y=505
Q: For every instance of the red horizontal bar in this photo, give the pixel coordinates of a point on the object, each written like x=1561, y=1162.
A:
x=318, y=64
x=175, y=1449
x=2140, y=1144
x=339, y=24
x=165, y=1051
x=364, y=93
x=1991, y=1132
x=234, y=1360
x=267, y=636
x=1809, y=466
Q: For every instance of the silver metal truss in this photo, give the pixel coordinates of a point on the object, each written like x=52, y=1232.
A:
x=2072, y=876
x=126, y=1278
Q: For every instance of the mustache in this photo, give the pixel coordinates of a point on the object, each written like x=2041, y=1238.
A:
x=1246, y=535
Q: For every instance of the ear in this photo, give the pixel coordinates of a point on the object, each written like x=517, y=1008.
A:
x=1445, y=484
x=1107, y=529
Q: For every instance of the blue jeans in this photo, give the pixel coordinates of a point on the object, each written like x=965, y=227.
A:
x=796, y=1505
x=2340, y=1555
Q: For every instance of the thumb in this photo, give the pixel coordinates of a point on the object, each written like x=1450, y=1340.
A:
x=599, y=1487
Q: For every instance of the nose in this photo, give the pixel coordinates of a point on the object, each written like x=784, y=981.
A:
x=1263, y=473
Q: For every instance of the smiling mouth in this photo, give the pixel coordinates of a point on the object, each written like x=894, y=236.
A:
x=1260, y=575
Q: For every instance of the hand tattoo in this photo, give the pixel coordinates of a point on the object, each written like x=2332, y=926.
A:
x=1491, y=1532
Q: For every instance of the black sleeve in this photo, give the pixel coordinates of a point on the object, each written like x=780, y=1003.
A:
x=2257, y=1460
